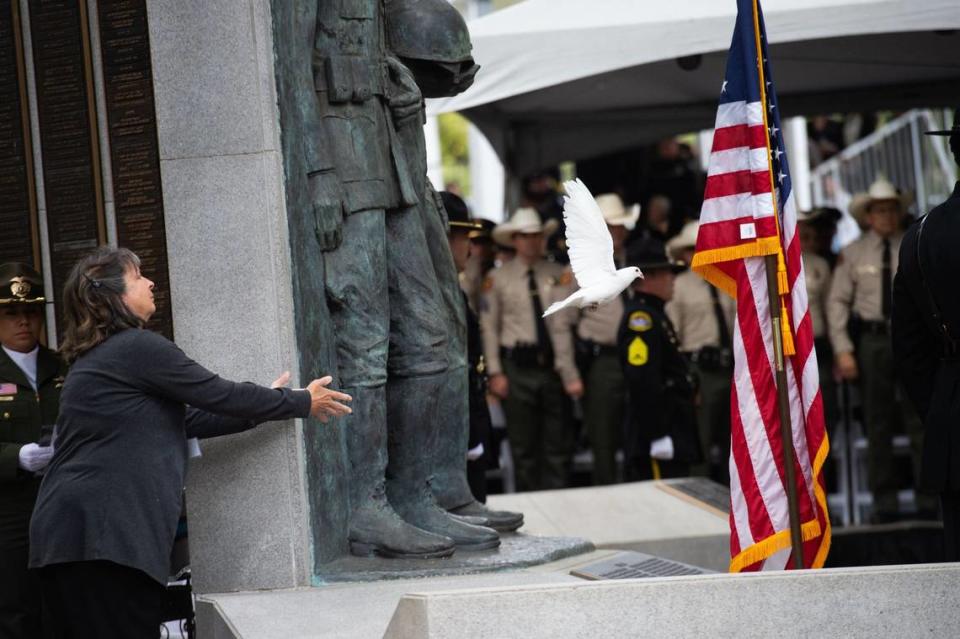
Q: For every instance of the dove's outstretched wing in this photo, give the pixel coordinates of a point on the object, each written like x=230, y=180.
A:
x=589, y=244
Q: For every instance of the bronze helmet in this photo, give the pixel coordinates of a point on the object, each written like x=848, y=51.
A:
x=432, y=39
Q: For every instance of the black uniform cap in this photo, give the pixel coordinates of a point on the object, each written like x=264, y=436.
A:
x=20, y=284
x=458, y=216
x=955, y=129
x=648, y=253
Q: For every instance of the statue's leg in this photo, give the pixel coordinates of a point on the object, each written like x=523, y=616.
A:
x=450, y=484
x=418, y=364
x=356, y=280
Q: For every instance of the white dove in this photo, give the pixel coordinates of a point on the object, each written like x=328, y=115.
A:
x=591, y=252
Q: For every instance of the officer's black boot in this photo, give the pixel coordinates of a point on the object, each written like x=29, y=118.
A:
x=450, y=460
x=375, y=528
x=412, y=405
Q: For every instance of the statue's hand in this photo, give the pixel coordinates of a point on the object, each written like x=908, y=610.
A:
x=404, y=96
x=327, y=205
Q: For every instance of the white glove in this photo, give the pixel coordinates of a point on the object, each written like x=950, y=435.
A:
x=475, y=453
x=662, y=448
x=34, y=458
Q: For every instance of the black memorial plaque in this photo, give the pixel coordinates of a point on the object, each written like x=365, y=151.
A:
x=701, y=490
x=629, y=564
x=68, y=139
x=18, y=213
x=134, y=152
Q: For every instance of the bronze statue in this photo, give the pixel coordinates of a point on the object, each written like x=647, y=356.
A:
x=432, y=41
x=372, y=209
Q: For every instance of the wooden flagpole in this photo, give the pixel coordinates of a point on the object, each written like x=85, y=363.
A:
x=783, y=405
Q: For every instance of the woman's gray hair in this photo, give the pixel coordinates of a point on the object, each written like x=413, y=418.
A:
x=93, y=305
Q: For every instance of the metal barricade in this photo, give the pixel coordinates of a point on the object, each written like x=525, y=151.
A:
x=915, y=163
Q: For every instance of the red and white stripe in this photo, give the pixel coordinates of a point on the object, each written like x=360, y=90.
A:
x=738, y=194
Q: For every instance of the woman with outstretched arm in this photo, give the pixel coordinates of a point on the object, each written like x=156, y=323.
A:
x=106, y=515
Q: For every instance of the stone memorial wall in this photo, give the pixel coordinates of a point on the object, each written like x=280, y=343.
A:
x=69, y=143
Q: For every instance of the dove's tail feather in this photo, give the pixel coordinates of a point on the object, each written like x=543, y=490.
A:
x=556, y=306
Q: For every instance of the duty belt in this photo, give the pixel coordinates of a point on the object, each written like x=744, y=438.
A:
x=712, y=358
x=595, y=349
x=875, y=327
x=527, y=356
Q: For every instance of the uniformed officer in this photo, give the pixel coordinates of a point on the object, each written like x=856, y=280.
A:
x=926, y=344
x=530, y=358
x=481, y=453
x=817, y=275
x=661, y=438
x=30, y=380
x=860, y=298
x=481, y=260
x=704, y=322
x=597, y=354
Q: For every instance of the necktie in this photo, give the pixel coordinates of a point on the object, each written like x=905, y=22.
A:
x=722, y=327
x=543, y=338
x=886, y=290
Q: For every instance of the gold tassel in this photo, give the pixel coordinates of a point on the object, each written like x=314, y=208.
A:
x=783, y=282
x=788, y=347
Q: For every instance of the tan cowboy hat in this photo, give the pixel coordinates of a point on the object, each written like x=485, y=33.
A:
x=686, y=239
x=880, y=190
x=524, y=220
x=615, y=213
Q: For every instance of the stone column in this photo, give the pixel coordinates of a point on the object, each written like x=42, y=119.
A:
x=230, y=273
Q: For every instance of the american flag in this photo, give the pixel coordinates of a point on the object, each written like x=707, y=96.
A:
x=749, y=212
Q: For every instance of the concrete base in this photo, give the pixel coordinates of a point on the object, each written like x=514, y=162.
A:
x=648, y=517
x=515, y=551
x=351, y=610
x=546, y=601
x=903, y=601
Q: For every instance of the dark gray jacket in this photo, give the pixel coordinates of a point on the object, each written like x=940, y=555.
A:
x=929, y=371
x=113, y=488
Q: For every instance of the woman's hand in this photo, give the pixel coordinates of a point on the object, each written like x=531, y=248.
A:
x=326, y=401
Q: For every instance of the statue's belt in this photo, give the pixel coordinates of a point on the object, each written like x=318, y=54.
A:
x=351, y=78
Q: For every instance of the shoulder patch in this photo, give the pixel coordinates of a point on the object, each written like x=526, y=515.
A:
x=566, y=278
x=638, y=353
x=640, y=321
x=487, y=283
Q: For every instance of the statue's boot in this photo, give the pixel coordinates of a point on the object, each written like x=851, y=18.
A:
x=499, y=520
x=449, y=483
x=375, y=528
x=411, y=404
x=468, y=519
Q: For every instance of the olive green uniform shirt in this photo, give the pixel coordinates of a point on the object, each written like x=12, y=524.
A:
x=600, y=325
x=856, y=286
x=692, y=314
x=506, y=314
x=471, y=280
x=817, y=277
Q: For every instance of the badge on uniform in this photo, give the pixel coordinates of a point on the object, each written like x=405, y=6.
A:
x=8, y=389
x=637, y=353
x=640, y=321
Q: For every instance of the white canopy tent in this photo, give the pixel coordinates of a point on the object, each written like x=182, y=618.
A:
x=571, y=79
